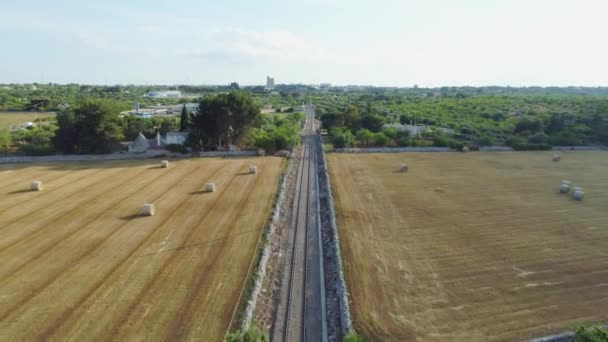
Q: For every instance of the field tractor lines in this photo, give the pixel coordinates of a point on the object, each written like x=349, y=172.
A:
x=192, y=299
x=13, y=231
x=472, y=247
x=154, y=267
x=77, y=219
x=11, y=177
x=79, y=259
x=181, y=211
x=91, y=267
x=57, y=189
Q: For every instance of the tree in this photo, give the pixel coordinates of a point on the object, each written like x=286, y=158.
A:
x=391, y=132
x=405, y=119
x=557, y=122
x=528, y=125
x=184, y=119
x=91, y=127
x=223, y=118
x=365, y=137
x=65, y=136
x=242, y=113
x=331, y=120
x=373, y=122
x=342, y=138
x=209, y=124
x=565, y=138
x=486, y=140
x=380, y=139
x=351, y=117
x=538, y=138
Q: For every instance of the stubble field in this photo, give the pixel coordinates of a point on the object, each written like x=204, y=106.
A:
x=79, y=263
x=472, y=247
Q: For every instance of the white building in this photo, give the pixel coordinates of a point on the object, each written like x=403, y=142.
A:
x=164, y=94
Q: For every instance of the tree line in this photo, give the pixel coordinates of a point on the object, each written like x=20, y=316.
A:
x=95, y=126
x=522, y=122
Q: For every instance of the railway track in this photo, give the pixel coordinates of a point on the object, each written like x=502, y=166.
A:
x=301, y=311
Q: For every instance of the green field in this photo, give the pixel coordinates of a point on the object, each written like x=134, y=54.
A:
x=8, y=119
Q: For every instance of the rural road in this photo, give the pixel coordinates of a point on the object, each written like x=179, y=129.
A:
x=301, y=311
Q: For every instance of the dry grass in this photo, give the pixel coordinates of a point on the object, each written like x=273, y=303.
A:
x=79, y=263
x=8, y=119
x=472, y=247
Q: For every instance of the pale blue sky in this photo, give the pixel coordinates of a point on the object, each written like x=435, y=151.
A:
x=382, y=42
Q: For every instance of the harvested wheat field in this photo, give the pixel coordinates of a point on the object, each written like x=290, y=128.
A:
x=79, y=263
x=472, y=247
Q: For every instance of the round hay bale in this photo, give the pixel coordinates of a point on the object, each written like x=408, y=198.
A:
x=210, y=187
x=577, y=188
x=36, y=186
x=556, y=158
x=565, y=182
x=466, y=149
x=403, y=168
x=578, y=195
x=253, y=169
x=148, y=210
x=564, y=188
x=164, y=164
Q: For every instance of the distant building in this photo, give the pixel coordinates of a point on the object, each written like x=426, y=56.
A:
x=178, y=138
x=269, y=83
x=140, y=144
x=164, y=94
x=325, y=86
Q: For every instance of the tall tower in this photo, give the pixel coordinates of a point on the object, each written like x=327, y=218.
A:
x=269, y=83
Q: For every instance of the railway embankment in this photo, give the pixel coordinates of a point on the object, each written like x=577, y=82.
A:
x=339, y=321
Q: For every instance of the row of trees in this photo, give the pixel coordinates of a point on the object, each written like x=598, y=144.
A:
x=523, y=121
x=94, y=125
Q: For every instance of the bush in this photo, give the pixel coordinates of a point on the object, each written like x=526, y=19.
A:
x=37, y=149
x=373, y=122
x=380, y=139
x=391, y=132
x=177, y=148
x=440, y=141
x=253, y=334
x=365, y=137
x=564, y=138
x=486, y=140
x=403, y=141
x=352, y=337
x=455, y=144
x=513, y=141
x=342, y=138
x=538, y=138
x=264, y=141
x=531, y=147
x=585, y=334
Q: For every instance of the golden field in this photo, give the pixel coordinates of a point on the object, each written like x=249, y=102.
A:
x=472, y=247
x=80, y=264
